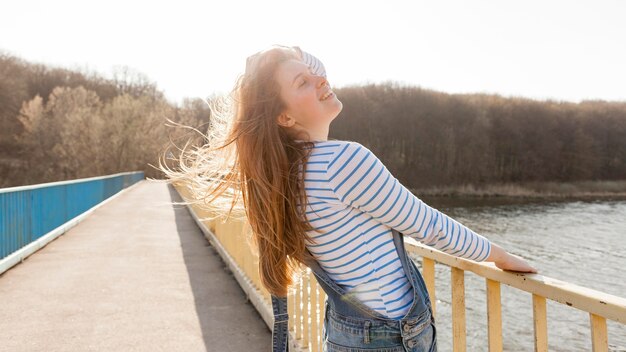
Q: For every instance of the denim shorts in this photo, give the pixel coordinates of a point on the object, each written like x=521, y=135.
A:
x=355, y=334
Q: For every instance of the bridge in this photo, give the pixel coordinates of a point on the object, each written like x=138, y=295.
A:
x=108, y=263
x=133, y=273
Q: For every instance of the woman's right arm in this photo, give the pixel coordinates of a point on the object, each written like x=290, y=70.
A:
x=358, y=178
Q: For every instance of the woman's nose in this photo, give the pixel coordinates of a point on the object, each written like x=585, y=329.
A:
x=322, y=81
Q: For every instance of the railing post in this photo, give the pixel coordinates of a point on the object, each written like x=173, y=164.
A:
x=540, y=323
x=291, y=303
x=314, y=314
x=298, y=310
x=599, y=336
x=494, y=316
x=428, y=269
x=306, y=327
x=458, y=309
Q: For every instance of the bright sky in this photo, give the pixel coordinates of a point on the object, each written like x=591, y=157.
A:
x=563, y=50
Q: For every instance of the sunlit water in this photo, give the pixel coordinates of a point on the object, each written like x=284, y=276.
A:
x=581, y=242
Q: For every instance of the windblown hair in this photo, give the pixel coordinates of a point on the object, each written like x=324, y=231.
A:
x=249, y=157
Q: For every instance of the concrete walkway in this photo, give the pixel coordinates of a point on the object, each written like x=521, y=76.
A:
x=136, y=275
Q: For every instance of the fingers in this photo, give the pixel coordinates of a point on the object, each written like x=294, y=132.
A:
x=316, y=65
x=530, y=269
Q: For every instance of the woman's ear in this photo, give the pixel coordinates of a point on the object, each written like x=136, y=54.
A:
x=285, y=120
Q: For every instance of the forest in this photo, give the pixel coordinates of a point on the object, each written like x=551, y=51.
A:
x=59, y=124
x=432, y=139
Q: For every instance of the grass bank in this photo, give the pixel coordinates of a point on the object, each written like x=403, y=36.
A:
x=579, y=189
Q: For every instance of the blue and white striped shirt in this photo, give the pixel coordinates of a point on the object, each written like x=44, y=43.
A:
x=354, y=201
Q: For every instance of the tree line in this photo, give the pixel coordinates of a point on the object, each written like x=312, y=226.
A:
x=58, y=124
x=428, y=138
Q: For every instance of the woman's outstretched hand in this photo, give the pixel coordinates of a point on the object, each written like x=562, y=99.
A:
x=507, y=261
x=514, y=263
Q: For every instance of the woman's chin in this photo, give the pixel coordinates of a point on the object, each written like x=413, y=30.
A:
x=339, y=106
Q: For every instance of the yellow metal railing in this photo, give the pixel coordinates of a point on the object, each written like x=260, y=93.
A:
x=306, y=301
x=600, y=306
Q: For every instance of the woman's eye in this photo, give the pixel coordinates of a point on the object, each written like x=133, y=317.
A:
x=304, y=80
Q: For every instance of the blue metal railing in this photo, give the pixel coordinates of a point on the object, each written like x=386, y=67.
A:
x=29, y=212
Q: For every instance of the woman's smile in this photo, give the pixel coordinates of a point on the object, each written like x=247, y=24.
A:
x=327, y=95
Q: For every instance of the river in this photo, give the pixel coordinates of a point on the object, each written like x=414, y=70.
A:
x=578, y=241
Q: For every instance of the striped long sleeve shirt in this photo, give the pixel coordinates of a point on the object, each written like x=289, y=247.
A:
x=354, y=202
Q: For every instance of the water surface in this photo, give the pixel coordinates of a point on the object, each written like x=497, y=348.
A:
x=580, y=241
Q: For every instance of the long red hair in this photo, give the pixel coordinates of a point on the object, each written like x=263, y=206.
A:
x=248, y=154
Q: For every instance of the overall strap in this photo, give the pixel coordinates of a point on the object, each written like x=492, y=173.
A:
x=280, y=332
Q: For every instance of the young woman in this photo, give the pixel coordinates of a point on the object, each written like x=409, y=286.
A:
x=328, y=204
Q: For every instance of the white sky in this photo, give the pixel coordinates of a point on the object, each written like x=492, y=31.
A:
x=563, y=50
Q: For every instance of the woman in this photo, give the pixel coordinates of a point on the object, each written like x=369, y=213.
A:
x=328, y=204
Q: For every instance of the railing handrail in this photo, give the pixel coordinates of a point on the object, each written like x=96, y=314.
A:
x=33, y=215
x=580, y=297
x=65, y=182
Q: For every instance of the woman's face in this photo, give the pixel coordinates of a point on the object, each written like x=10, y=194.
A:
x=302, y=92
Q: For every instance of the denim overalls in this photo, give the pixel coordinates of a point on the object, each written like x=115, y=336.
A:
x=351, y=326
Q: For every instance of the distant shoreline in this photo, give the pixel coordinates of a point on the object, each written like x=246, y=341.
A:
x=535, y=190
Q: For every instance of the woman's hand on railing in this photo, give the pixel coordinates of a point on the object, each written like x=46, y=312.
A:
x=515, y=263
x=507, y=261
